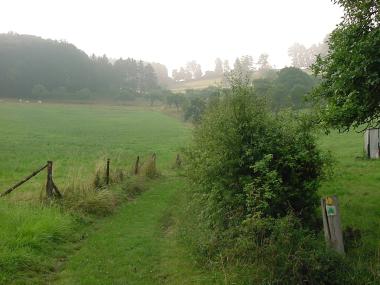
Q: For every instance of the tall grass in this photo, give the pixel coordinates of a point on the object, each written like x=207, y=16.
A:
x=33, y=232
x=28, y=239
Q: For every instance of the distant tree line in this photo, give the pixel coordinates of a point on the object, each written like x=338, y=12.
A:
x=245, y=63
x=32, y=67
x=303, y=57
x=285, y=88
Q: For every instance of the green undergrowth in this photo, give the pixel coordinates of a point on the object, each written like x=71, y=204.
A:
x=36, y=237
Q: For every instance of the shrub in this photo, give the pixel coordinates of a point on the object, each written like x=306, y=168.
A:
x=255, y=176
x=149, y=168
x=247, y=163
x=82, y=197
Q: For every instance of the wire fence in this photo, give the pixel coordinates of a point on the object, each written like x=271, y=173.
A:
x=52, y=190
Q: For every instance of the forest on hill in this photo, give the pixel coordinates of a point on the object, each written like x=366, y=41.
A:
x=44, y=69
x=32, y=67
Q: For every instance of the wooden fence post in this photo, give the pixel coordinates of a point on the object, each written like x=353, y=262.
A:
x=108, y=172
x=178, y=161
x=51, y=188
x=331, y=223
x=136, y=170
x=154, y=161
x=49, y=181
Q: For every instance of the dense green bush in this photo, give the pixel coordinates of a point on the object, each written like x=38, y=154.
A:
x=248, y=163
x=255, y=177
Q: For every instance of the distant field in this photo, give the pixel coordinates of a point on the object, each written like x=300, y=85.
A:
x=77, y=137
x=196, y=84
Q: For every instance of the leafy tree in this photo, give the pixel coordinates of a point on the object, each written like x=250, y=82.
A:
x=155, y=95
x=198, y=72
x=299, y=56
x=175, y=99
x=226, y=66
x=149, y=81
x=161, y=72
x=244, y=66
x=263, y=62
x=348, y=95
x=247, y=64
x=291, y=87
x=194, y=69
x=303, y=57
x=218, y=66
x=194, y=110
x=263, y=87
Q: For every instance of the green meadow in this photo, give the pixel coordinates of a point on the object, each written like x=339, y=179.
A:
x=78, y=138
x=138, y=243
x=356, y=181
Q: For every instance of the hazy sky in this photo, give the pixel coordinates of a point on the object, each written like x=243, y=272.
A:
x=175, y=31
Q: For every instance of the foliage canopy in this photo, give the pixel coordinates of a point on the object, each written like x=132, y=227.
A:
x=349, y=93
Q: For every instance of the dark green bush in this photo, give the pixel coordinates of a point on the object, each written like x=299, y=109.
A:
x=255, y=176
x=247, y=163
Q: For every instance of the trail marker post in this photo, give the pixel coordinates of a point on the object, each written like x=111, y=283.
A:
x=331, y=223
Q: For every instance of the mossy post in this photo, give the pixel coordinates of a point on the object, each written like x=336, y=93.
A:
x=108, y=172
x=331, y=223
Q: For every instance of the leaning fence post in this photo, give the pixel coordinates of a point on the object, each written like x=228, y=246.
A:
x=331, y=223
x=108, y=172
x=136, y=171
x=49, y=181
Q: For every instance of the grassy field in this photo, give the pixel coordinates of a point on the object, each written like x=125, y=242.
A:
x=78, y=137
x=195, y=84
x=356, y=183
x=139, y=243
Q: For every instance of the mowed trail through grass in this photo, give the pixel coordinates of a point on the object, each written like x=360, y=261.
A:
x=136, y=246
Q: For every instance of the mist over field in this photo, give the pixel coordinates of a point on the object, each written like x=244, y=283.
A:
x=202, y=142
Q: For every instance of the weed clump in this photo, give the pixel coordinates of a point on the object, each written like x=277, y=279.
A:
x=149, y=168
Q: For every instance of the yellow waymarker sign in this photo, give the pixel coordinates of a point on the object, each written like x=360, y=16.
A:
x=329, y=201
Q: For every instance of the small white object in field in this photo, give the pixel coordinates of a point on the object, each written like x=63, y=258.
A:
x=20, y=100
x=26, y=101
x=39, y=102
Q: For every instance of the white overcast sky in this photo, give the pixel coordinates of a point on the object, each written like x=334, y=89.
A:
x=175, y=31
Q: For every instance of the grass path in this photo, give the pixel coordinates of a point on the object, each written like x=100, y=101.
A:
x=136, y=246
